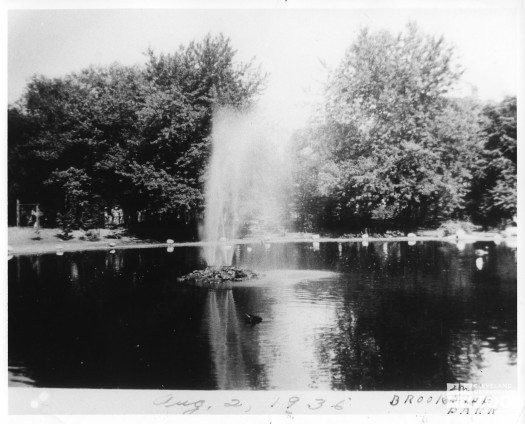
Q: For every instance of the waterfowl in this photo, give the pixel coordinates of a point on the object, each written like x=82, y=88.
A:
x=252, y=319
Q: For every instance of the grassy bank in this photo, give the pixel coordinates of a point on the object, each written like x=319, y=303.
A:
x=26, y=240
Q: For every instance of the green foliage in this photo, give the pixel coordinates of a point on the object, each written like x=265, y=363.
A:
x=134, y=136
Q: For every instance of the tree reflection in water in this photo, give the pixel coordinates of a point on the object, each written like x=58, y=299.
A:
x=419, y=319
x=346, y=316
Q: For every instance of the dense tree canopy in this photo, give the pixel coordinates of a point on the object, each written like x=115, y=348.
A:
x=494, y=191
x=134, y=136
x=394, y=145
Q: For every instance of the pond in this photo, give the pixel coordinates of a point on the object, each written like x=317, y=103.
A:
x=336, y=316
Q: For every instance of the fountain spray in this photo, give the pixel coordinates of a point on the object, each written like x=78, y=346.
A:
x=246, y=181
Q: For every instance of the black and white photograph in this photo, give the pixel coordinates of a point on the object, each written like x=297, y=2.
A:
x=268, y=208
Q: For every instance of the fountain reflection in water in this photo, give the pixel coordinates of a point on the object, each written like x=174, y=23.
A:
x=234, y=353
x=246, y=180
x=346, y=330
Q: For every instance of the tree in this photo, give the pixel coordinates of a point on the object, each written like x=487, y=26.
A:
x=24, y=180
x=181, y=91
x=398, y=148
x=316, y=201
x=77, y=121
x=77, y=211
x=493, y=198
x=140, y=135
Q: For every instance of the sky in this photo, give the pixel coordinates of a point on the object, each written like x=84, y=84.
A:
x=295, y=46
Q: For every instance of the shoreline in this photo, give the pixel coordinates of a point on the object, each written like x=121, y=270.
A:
x=34, y=247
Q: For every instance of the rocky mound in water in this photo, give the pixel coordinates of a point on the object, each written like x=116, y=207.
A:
x=217, y=276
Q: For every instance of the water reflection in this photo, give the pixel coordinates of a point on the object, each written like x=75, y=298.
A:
x=341, y=316
x=232, y=351
x=114, y=260
x=479, y=263
x=225, y=342
x=19, y=376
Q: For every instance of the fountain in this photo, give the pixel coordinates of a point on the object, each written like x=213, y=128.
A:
x=245, y=186
x=245, y=181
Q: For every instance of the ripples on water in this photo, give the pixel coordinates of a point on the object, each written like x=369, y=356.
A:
x=335, y=316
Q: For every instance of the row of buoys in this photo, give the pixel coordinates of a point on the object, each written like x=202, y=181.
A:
x=462, y=238
x=59, y=248
x=315, y=245
x=364, y=240
x=411, y=239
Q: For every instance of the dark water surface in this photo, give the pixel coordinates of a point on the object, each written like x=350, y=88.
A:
x=335, y=316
